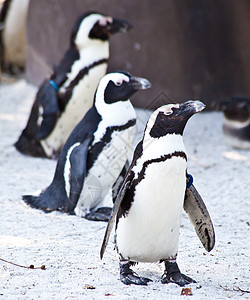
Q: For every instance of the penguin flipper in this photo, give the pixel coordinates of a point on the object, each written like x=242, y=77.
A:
x=48, y=102
x=114, y=212
x=78, y=165
x=199, y=217
x=117, y=185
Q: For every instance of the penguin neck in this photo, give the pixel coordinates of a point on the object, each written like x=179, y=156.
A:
x=94, y=51
x=167, y=144
x=123, y=114
x=88, y=56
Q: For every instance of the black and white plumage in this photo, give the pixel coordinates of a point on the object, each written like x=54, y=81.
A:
x=149, y=204
x=96, y=151
x=236, y=125
x=63, y=99
x=13, y=15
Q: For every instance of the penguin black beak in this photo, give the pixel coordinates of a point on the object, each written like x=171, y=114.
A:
x=191, y=107
x=119, y=25
x=139, y=83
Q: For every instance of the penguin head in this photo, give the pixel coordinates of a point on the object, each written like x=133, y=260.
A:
x=119, y=86
x=94, y=26
x=172, y=118
x=237, y=108
x=114, y=91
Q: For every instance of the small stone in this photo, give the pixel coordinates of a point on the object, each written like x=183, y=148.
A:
x=89, y=287
x=186, y=292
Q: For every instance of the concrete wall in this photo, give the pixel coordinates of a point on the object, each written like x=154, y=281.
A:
x=187, y=48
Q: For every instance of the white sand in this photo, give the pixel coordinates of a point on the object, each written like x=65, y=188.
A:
x=69, y=246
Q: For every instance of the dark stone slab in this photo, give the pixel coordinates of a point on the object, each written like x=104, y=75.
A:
x=188, y=49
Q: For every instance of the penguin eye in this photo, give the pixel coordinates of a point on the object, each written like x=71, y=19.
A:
x=102, y=22
x=119, y=83
x=105, y=21
x=168, y=111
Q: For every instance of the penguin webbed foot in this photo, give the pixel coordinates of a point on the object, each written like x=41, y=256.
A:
x=70, y=212
x=128, y=276
x=101, y=214
x=173, y=274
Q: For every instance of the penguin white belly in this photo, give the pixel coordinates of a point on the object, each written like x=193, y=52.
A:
x=150, y=230
x=80, y=102
x=14, y=33
x=105, y=171
x=232, y=133
x=236, y=142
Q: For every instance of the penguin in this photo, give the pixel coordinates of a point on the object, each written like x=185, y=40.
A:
x=95, y=152
x=13, y=15
x=149, y=204
x=236, y=126
x=64, y=98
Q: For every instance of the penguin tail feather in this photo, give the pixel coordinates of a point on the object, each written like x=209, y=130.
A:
x=35, y=202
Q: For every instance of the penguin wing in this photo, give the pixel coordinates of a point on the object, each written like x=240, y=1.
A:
x=114, y=212
x=48, y=102
x=199, y=217
x=78, y=167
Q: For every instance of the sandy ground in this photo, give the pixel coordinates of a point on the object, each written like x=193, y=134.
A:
x=69, y=246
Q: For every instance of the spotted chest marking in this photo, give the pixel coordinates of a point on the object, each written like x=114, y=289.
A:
x=105, y=170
